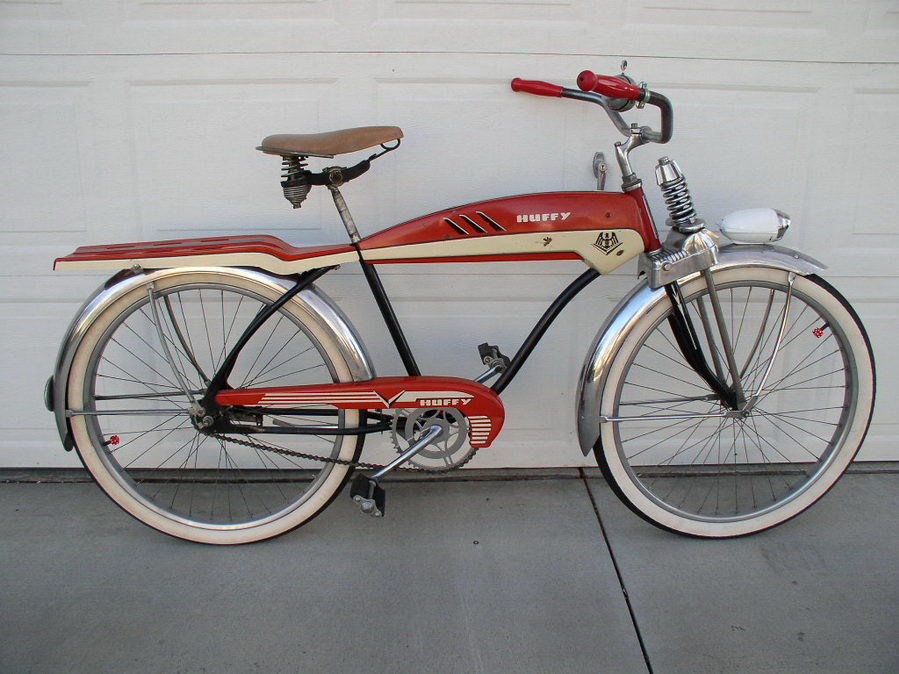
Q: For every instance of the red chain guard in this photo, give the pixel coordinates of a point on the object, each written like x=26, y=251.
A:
x=480, y=405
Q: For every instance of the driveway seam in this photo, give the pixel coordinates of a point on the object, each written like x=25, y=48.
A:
x=624, y=592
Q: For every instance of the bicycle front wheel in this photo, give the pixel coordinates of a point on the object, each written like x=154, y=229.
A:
x=130, y=416
x=684, y=461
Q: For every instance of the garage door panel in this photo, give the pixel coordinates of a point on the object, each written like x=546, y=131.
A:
x=771, y=31
x=194, y=152
x=874, y=115
x=47, y=169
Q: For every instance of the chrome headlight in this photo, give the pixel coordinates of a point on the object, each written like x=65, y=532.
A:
x=755, y=225
x=784, y=220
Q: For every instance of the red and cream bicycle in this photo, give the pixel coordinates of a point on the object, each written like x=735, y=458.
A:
x=217, y=394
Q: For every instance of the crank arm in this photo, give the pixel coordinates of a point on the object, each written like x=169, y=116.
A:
x=426, y=439
x=368, y=494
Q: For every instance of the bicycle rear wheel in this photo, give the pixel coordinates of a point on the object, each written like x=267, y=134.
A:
x=680, y=459
x=130, y=416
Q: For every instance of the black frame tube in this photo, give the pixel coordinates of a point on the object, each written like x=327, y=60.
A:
x=220, y=378
x=541, y=327
x=390, y=319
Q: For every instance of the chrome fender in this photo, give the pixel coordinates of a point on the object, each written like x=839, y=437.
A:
x=318, y=304
x=610, y=337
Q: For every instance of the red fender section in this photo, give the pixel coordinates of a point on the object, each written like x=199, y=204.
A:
x=265, y=251
x=480, y=405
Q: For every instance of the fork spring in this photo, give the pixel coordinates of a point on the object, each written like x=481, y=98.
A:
x=677, y=197
x=679, y=202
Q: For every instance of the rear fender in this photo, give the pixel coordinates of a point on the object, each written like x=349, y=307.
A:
x=610, y=337
x=318, y=303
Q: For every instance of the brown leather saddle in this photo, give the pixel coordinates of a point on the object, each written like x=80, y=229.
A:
x=331, y=143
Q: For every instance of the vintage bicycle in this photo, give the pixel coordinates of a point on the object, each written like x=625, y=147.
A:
x=215, y=393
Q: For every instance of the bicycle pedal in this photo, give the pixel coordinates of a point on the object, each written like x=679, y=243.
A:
x=492, y=356
x=370, y=498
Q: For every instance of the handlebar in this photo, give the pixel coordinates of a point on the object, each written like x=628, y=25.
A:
x=610, y=87
x=612, y=94
x=537, y=88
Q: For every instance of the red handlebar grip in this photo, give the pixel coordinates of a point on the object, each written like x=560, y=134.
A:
x=536, y=87
x=612, y=87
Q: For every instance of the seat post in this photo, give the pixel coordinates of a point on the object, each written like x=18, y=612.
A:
x=344, y=211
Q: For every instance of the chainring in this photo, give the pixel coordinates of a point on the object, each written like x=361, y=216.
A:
x=451, y=449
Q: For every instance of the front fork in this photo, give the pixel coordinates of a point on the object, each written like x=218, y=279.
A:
x=734, y=396
x=691, y=248
x=691, y=347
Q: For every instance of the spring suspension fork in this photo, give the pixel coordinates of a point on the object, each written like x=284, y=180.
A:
x=690, y=346
x=725, y=339
x=682, y=218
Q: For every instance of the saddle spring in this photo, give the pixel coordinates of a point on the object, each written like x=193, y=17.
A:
x=296, y=182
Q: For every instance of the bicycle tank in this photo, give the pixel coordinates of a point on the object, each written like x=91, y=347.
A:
x=604, y=229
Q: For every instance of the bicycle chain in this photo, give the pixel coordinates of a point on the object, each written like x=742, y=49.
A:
x=330, y=459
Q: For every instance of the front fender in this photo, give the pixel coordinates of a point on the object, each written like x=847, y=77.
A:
x=609, y=339
x=319, y=304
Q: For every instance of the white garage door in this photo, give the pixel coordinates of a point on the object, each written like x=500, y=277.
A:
x=137, y=120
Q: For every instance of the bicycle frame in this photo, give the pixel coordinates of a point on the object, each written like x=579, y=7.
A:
x=603, y=229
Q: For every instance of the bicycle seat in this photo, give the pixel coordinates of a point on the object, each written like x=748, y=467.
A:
x=330, y=143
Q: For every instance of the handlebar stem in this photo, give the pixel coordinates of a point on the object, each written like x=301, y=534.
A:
x=636, y=135
x=629, y=179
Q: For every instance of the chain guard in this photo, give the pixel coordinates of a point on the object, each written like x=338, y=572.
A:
x=445, y=455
